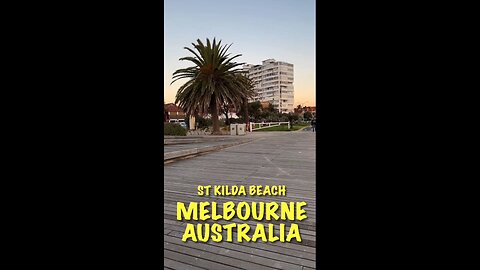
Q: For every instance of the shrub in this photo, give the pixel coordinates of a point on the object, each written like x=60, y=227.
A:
x=237, y=121
x=308, y=116
x=203, y=122
x=171, y=129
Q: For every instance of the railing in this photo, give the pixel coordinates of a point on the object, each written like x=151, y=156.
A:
x=257, y=126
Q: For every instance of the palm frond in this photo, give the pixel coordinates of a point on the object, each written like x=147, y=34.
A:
x=214, y=80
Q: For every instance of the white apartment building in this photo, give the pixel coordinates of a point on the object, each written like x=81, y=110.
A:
x=273, y=83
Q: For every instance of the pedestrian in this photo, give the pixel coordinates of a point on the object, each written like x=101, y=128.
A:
x=313, y=123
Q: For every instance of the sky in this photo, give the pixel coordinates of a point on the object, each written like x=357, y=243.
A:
x=258, y=29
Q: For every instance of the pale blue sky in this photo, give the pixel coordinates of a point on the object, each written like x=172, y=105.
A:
x=259, y=30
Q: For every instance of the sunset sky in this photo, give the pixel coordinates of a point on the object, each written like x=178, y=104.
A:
x=259, y=29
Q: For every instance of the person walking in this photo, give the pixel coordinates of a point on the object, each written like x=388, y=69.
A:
x=313, y=123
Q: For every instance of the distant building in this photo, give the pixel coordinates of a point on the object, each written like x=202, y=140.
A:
x=232, y=114
x=175, y=114
x=273, y=83
x=311, y=109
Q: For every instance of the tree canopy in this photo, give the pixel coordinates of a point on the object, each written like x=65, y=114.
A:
x=213, y=81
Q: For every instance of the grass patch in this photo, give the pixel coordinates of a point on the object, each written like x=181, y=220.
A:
x=283, y=128
x=297, y=127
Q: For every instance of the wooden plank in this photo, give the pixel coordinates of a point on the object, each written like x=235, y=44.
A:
x=273, y=159
x=179, y=265
x=287, y=245
x=231, y=257
x=272, y=253
x=194, y=260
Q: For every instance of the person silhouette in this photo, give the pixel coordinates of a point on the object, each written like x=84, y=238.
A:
x=313, y=123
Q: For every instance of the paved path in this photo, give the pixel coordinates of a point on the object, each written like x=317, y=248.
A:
x=274, y=158
x=308, y=129
x=205, y=143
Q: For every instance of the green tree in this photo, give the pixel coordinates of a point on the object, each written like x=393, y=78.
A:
x=298, y=110
x=225, y=110
x=253, y=109
x=292, y=117
x=250, y=93
x=213, y=80
x=242, y=107
x=271, y=108
x=308, y=116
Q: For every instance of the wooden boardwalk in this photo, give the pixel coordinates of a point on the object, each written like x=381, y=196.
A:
x=275, y=158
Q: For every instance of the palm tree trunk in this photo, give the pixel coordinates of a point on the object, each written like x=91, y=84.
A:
x=227, y=121
x=247, y=120
x=216, y=123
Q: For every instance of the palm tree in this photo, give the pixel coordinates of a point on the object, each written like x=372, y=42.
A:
x=249, y=92
x=213, y=80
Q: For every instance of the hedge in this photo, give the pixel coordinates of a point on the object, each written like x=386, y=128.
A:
x=171, y=129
